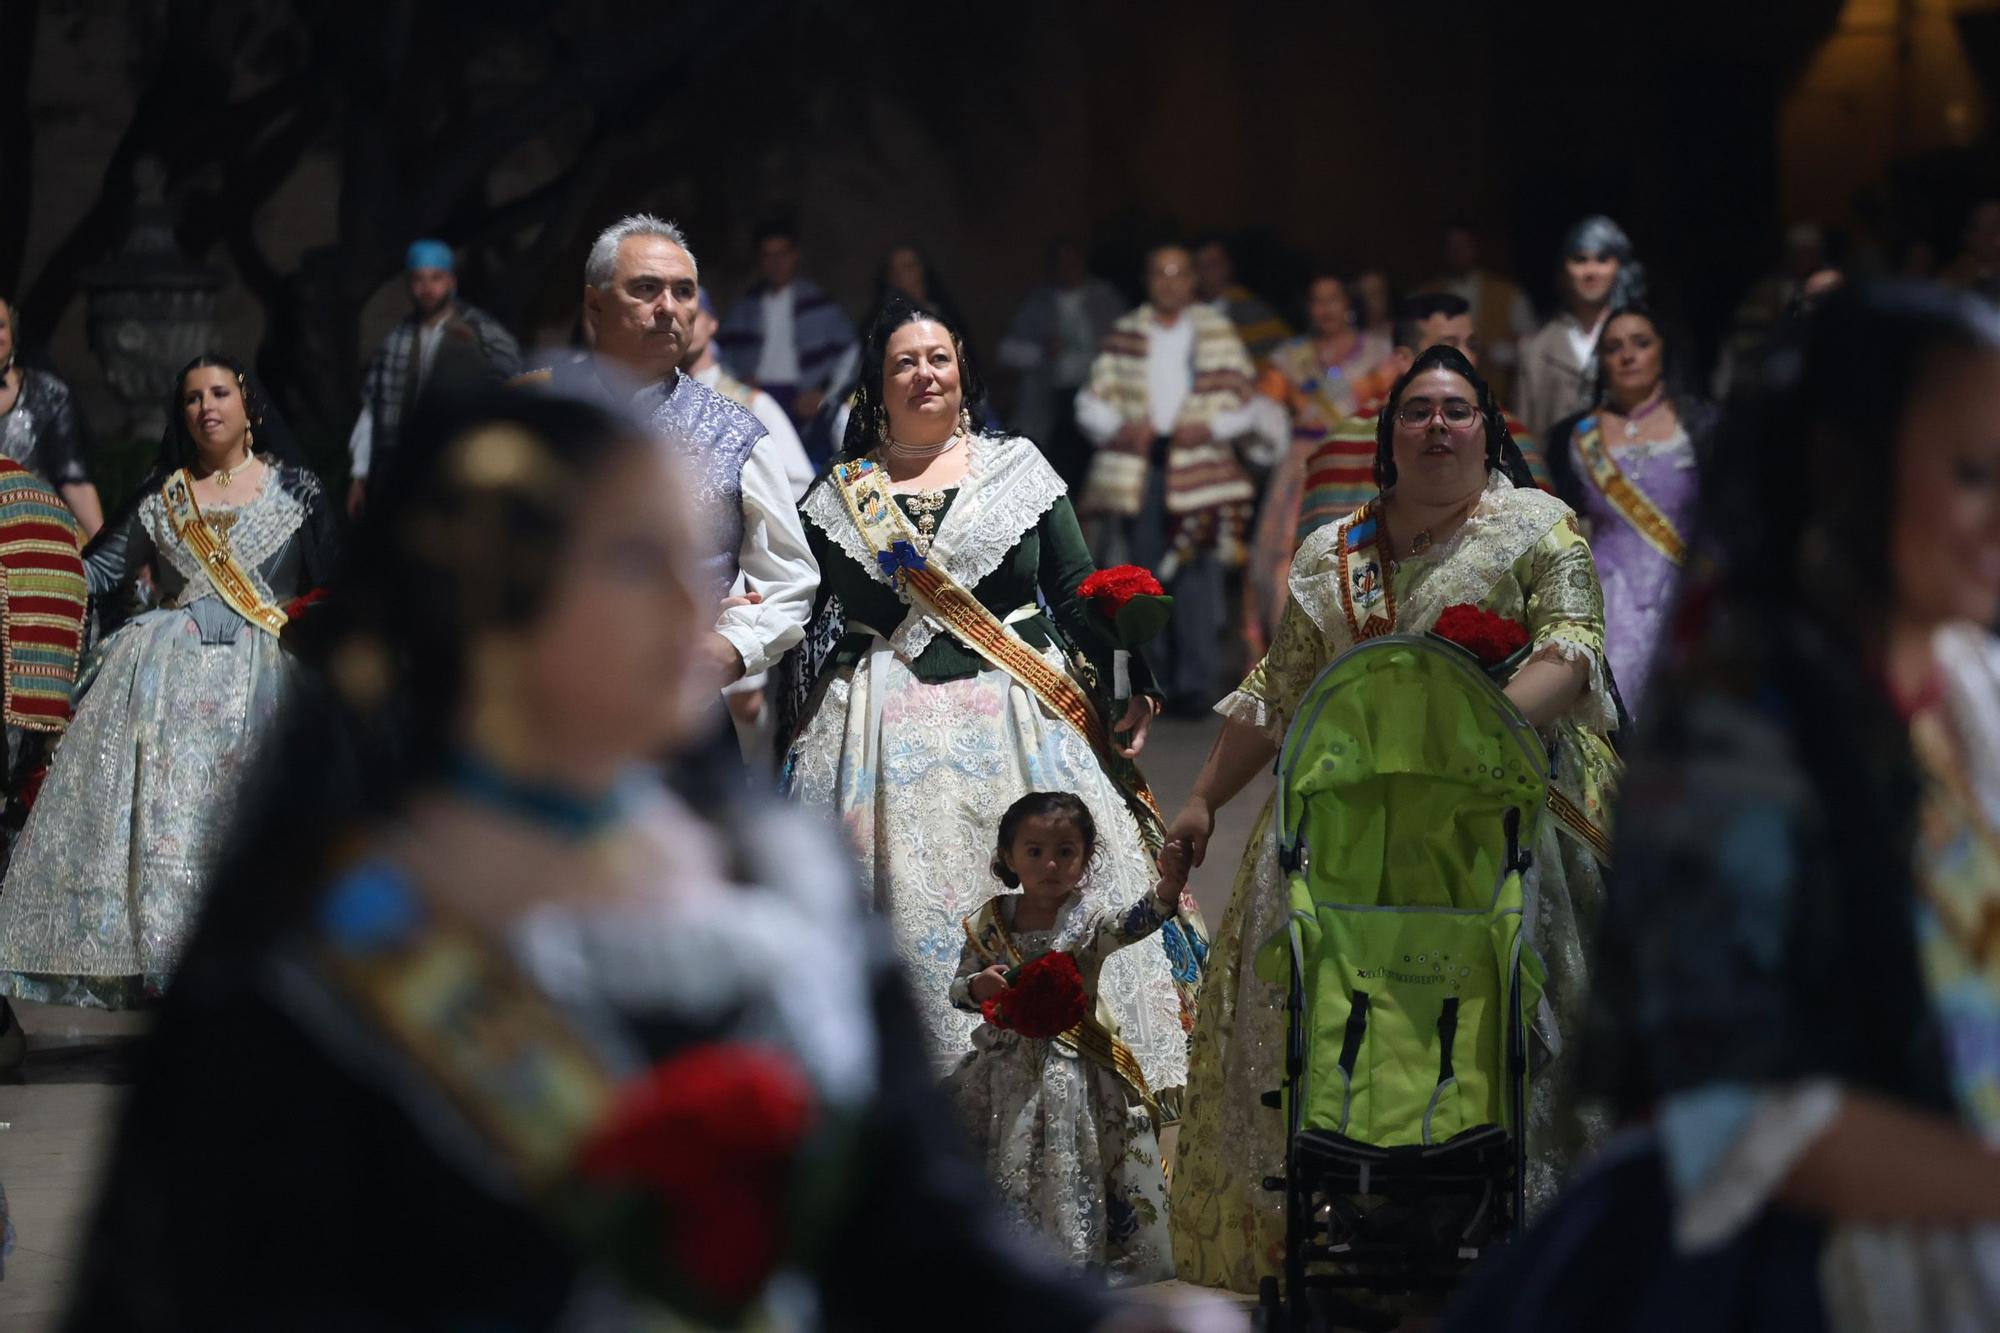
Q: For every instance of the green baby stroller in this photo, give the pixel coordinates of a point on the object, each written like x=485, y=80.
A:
x=1410, y=792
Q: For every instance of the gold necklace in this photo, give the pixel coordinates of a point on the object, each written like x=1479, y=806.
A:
x=223, y=475
x=1423, y=541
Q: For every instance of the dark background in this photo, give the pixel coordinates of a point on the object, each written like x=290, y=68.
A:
x=306, y=143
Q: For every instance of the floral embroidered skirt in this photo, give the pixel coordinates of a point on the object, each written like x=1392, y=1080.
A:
x=919, y=776
x=1071, y=1154
x=109, y=873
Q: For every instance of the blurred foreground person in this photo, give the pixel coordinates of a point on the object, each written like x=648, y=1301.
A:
x=483, y=1029
x=1800, y=978
x=111, y=868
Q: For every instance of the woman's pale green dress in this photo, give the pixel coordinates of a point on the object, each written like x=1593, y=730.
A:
x=1519, y=554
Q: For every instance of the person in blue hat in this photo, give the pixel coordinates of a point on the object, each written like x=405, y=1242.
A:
x=440, y=331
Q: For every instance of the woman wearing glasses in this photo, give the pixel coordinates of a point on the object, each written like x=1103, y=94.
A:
x=1458, y=520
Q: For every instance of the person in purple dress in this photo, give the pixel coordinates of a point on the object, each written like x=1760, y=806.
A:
x=1628, y=467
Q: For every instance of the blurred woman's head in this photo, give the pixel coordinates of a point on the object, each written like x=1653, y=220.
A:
x=904, y=270
x=1635, y=358
x=518, y=592
x=528, y=565
x=1859, y=472
x=1328, y=306
x=1373, y=299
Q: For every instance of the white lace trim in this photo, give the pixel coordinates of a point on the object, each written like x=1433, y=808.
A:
x=1314, y=579
x=263, y=525
x=1677, y=446
x=1251, y=711
x=1503, y=526
x=1007, y=488
x=1593, y=709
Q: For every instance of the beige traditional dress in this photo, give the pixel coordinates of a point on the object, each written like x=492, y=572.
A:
x=1519, y=554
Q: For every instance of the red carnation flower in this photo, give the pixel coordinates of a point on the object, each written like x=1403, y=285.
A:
x=1131, y=601
x=298, y=606
x=711, y=1136
x=1110, y=589
x=1490, y=638
x=1045, y=998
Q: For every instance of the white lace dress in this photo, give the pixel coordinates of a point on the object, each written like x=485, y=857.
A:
x=1067, y=1144
x=109, y=873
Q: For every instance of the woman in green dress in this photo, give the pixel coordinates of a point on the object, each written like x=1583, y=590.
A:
x=923, y=722
x=1458, y=520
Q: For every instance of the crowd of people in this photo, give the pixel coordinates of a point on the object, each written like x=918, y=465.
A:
x=475, y=838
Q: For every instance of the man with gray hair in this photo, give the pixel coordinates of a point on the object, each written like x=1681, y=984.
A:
x=640, y=297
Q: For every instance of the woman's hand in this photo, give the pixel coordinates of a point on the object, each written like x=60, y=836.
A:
x=1138, y=720
x=1192, y=828
x=988, y=984
x=1174, y=861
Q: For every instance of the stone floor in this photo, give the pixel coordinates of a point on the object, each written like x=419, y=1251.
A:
x=56, y=1112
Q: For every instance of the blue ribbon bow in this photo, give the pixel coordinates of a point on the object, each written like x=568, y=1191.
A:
x=900, y=556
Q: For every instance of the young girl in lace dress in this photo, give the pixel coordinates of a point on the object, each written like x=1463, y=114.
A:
x=1064, y=1125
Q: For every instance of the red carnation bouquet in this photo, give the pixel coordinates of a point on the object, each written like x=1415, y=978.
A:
x=1131, y=600
x=1044, y=997
x=694, y=1173
x=1498, y=643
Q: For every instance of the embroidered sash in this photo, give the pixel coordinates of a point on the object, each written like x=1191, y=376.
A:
x=225, y=573
x=1632, y=504
x=1090, y=1038
x=883, y=527
x=523, y=1078
x=1367, y=594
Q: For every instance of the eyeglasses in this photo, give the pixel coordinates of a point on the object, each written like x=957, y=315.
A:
x=1457, y=413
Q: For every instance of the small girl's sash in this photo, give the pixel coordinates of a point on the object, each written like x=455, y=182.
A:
x=1090, y=1039
x=225, y=573
x=1618, y=489
x=882, y=526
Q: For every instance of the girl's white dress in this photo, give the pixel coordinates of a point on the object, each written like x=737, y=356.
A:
x=1067, y=1141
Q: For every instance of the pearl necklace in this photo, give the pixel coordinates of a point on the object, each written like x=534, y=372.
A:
x=900, y=450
